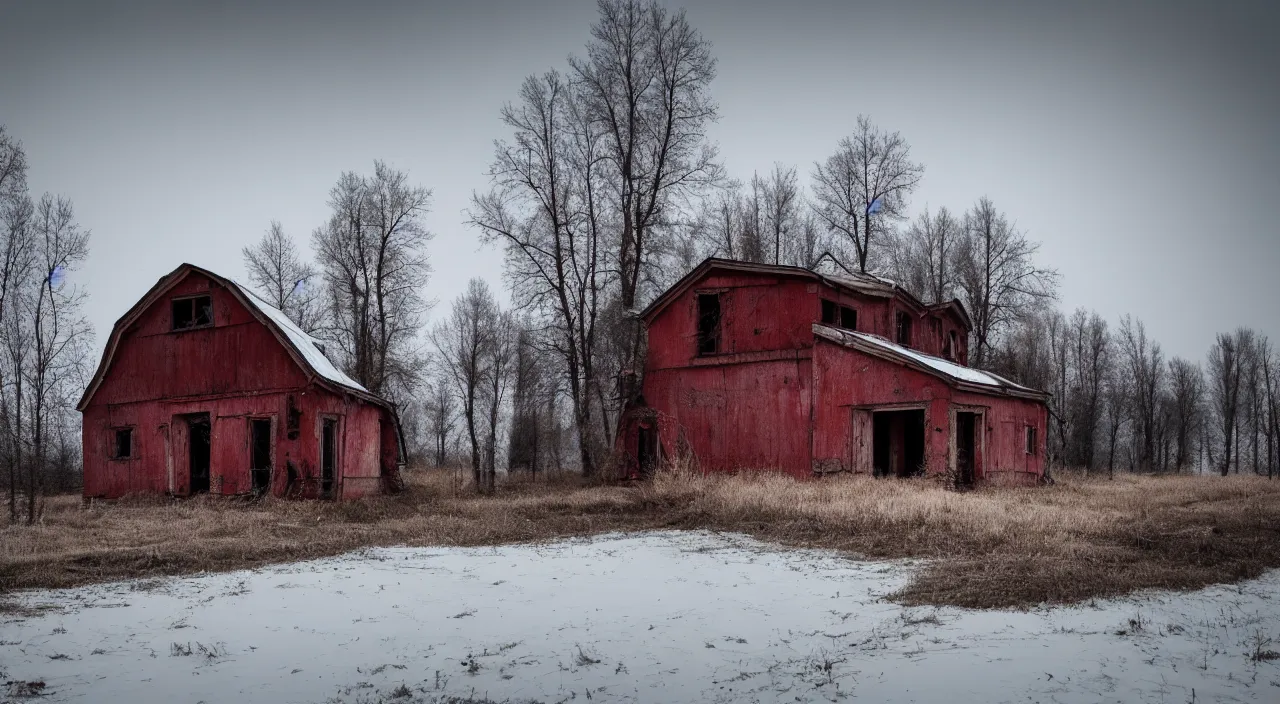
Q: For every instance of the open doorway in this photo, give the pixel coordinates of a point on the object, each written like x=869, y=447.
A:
x=260, y=454
x=966, y=443
x=198, y=452
x=898, y=442
x=647, y=450
x=328, y=456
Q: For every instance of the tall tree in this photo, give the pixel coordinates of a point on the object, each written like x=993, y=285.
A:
x=1144, y=365
x=1227, y=358
x=998, y=275
x=464, y=348
x=281, y=277
x=782, y=203
x=864, y=185
x=1186, y=394
x=374, y=264
x=547, y=208
x=923, y=256
x=1091, y=358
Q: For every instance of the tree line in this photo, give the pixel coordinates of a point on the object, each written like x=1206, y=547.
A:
x=604, y=189
x=45, y=341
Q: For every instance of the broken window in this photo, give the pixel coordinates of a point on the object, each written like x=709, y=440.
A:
x=848, y=318
x=124, y=444
x=904, y=329
x=949, y=346
x=193, y=312
x=708, y=323
x=1031, y=440
x=829, y=312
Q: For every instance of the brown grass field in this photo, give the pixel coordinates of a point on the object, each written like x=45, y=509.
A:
x=993, y=547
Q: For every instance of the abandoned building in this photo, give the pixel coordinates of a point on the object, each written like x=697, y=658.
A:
x=205, y=388
x=757, y=367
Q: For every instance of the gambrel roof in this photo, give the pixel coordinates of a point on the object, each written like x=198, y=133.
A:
x=304, y=349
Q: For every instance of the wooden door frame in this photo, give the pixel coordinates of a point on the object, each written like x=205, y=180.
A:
x=979, y=440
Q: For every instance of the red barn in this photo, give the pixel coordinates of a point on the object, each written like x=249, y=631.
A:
x=753, y=366
x=204, y=387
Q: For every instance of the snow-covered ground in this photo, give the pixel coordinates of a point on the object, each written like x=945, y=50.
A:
x=665, y=617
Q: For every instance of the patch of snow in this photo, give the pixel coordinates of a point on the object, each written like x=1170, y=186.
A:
x=310, y=348
x=658, y=617
x=951, y=369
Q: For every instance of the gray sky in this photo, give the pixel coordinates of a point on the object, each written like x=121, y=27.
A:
x=1138, y=144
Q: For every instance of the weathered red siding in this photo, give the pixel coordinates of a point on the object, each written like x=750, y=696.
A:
x=235, y=371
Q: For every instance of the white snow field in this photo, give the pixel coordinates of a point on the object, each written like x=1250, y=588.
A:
x=658, y=617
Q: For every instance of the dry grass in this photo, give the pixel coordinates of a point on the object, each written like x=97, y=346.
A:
x=1079, y=539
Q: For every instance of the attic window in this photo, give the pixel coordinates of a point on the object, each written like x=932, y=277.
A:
x=949, y=347
x=123, y=448
x=193, y=312
x=829, y=314
x=848, y=318
x=708, y=323
x=904, y=329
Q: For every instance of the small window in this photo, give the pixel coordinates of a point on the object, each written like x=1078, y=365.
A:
x=191, y=313
x=904, y=329
x=848, y=318
x=949, y=347
x=123, y=449
x=829, y=313
x=1031, y=440
x=708, y=323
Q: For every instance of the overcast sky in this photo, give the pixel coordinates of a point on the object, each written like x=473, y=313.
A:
x=1138, y=144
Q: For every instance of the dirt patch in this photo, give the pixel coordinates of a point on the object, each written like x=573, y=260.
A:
x=993, y=547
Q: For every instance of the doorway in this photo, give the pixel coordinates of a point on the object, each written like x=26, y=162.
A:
x=646, y=450
x=966, y=447
x=898, y=443
x=328, y=456
x=260, y=454
x=198, y=452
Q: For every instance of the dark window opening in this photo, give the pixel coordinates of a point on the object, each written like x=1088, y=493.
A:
x=898, y=443
x=966, y=444
x=647, y=450
x=949, y=347
x=124, y=444
x=198, y=452
x=1031, y=440
x=328, y=456
x=708, y=323
x=904, y=329
x=192, y=312
x=829, y=313
x=260, y=453
x=848, y=318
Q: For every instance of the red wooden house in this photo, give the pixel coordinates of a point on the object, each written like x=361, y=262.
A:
x=204, y=387
x=754, y=366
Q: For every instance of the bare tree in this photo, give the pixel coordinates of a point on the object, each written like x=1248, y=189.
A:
x=281, y=277
x=923, y=256
x=373, y=262
x=497, y=380
x=998, y=275
x=464, y=343
x=1227, y=359
x=1186, y=394
x=781, y=216
x=864, y=186
x=1091, y=358
x=1117, y=394
x=547, y=209
x=442, y=414
x=1144, y=365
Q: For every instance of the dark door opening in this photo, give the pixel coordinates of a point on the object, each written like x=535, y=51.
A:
x=898, y=443
x=966, y=423
x=328, y=456
x=647, y=450
x=260, y=454
x=198, y=452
